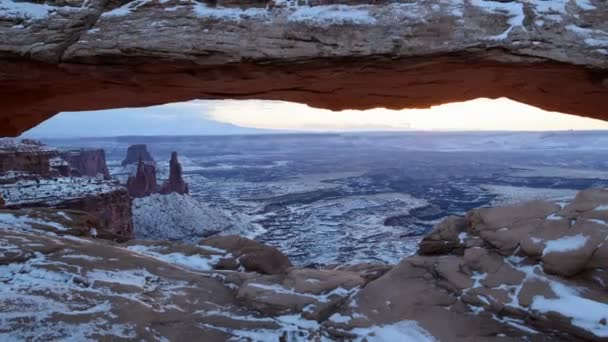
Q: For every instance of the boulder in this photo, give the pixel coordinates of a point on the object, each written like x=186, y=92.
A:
x=314, y=293
x=138, y=152
x=251, y=255
x=571, y=253
x=446, y=237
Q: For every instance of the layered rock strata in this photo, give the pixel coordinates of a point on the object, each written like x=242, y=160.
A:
x=91, y=163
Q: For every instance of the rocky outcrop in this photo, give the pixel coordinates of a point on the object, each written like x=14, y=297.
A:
x=495, y=283
x=107, y=201
x=89, y=163
x=22, y=159
x=112, y=211
x=137, y=153
x=144, y=182
x=34, y=175
x=344, y=55
x=251, y=255
x=176, y=182
x=539, y=267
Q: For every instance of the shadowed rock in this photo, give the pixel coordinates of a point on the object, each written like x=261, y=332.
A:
x=144, y=182
x=175, y=183
x=87, y=162
x=136, y=153
x=250, y=254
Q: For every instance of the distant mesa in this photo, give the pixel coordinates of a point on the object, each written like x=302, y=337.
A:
x=89, y=163
x=137, y=152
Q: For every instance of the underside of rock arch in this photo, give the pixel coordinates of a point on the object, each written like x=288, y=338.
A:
x=99, y=54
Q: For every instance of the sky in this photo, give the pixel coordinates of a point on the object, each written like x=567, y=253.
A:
x=218, y=117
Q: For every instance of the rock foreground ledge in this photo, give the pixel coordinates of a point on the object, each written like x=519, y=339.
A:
x=99, y=54
x=529, y=272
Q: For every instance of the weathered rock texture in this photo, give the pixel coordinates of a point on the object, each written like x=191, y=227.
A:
x=363, y=54
x=112, y=210
x=496, y=282
x=175, y=182
x=137, y=153
x=87, y=162
x=33, y=175
x=108, y=203
x=144, y=182
x=22, y=158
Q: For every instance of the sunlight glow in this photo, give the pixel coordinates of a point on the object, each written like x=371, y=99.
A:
x=479, y=114
x=221, y=117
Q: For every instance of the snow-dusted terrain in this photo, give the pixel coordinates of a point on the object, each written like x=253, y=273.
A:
x=55, y=190
x=348, y=198
x=179, y=217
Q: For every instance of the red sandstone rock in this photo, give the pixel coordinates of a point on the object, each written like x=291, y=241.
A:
x=175, y=183
x=35, y=161
x=144, y=182
x=135, y=153
x=111, y=210
x=87, y=162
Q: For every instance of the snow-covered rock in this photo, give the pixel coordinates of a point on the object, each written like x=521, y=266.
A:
x=182, y=218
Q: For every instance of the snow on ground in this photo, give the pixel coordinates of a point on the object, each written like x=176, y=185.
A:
x=565, y=244
x=55, y=190
x=194, y=262
x=513, y=194
x=182, y=218
x=561, y=172
x=404, y=331
x=586, y=314
x=11, y=221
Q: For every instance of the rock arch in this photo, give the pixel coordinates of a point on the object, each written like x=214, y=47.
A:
x=104, y=54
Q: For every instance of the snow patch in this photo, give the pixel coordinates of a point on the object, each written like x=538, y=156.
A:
x=514, y=10
x=333, y=15
x=565, y=244
x=193, y=262
x=404, y=331
x=585, y=313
